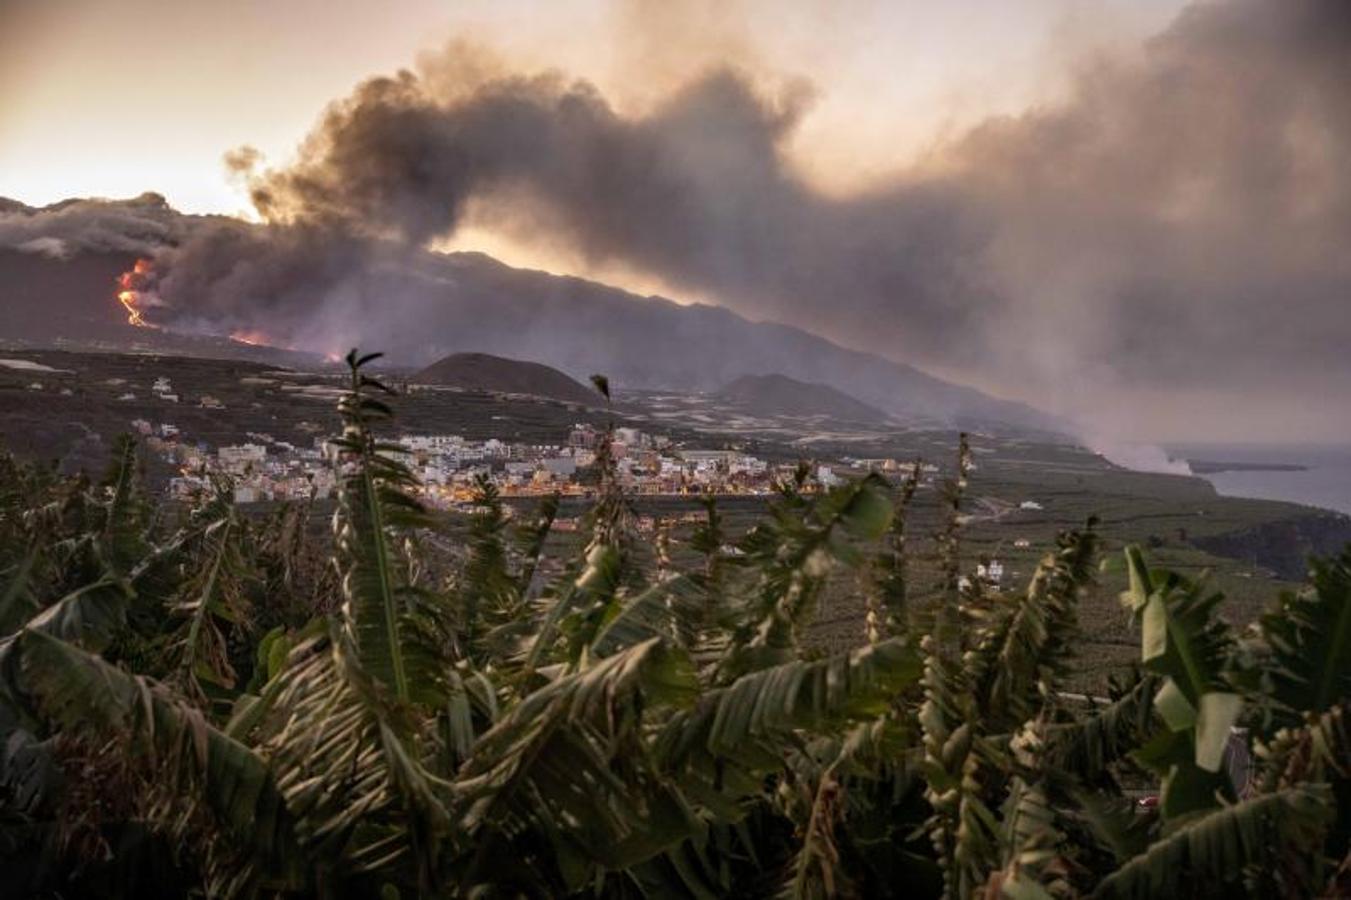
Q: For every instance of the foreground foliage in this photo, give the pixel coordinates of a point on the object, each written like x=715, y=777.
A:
x=212, y=703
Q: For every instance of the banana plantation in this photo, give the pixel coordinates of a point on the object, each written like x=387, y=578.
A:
x=199, y=702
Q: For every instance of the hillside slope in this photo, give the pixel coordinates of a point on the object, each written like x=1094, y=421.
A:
x=423, y=308
x=485, y=372
x=780, y=395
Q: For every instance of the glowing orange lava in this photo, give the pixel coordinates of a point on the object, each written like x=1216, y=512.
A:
x=129, y=295
x=252, y=338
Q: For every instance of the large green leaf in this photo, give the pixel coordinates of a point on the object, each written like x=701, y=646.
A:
x=1086, y=746
x=1309, y=634
x=567, y=765
x=1274, y=831
x=731, y=722
x=18, y=599
x=89, y=616
x=81, y=693
x=213, y=597
x=373, y=503
x=1023, y=650
x=667, y=609
x=791, y=555
x=347, y=763
x=487, y=594
x=1192, y=652
x=123, y=534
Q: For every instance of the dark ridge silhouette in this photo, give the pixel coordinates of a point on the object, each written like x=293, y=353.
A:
x=485, y=372
x=780, y=395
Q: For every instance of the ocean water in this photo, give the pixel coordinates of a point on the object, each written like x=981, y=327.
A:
x=1326, y=482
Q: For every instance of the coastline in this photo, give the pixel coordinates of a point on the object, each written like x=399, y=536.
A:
x=1310, y=475
x=1210, y=467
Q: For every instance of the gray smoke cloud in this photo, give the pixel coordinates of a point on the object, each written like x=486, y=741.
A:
x=698, y=192
x=1181, y=219
x=1185, y=215
x=143, y=226
x=1178, y=223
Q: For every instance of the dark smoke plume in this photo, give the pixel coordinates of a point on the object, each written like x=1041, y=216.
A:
x=1181, y=222
x=143, y=225
x=1185, y=215
x=698, y=192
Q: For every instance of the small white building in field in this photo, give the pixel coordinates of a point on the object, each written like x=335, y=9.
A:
x=991, y=573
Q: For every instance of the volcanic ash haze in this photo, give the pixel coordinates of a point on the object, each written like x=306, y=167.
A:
x=1172, y=235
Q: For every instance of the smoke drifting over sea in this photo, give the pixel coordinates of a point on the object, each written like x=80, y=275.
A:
x=1176, y=226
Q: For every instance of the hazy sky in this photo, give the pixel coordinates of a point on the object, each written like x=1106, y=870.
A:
x=1131, y=211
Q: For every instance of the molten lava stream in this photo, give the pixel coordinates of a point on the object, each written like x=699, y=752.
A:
x=129, y=295
x=128, y=299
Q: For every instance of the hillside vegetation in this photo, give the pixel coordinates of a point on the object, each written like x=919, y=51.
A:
x=198, y=701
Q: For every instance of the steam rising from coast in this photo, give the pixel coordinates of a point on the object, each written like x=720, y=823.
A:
x=1139, y=457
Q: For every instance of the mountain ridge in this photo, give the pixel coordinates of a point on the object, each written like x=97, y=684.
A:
x=427, y=305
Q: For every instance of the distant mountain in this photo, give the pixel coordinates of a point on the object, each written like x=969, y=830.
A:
x=784, y=396
x=470, y=302
x=484, y=372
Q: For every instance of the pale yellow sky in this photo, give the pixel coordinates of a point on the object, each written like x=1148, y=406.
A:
x=115, y=97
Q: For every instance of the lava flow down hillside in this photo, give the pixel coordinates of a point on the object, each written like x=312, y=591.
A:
x=134, y=292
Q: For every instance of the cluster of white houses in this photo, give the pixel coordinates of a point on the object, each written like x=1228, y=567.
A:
x=449, y=465
x=266, y=469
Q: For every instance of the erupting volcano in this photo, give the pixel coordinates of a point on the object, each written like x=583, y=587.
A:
x=129, y=292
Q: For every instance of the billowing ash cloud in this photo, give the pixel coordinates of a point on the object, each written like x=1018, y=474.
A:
x=141, y=226
x=1184, y=216
x=1181, y=220
x=698, y=192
